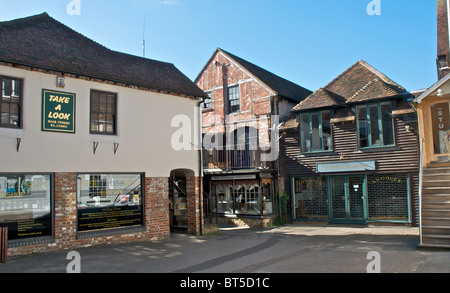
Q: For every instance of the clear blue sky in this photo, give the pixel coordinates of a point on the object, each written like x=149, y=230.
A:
x=308, y=42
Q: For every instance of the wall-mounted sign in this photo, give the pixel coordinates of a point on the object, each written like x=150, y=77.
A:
x=346, y=166
x=58, y=111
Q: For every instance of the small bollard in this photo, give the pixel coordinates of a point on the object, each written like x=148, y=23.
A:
x=3, y=244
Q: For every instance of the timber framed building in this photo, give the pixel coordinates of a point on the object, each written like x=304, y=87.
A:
x=349, y=153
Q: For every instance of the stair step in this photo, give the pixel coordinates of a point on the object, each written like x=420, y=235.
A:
x=435, y=241
x=436, y=205
x=426, y=213
x=435, y=221
x=436, y=236
x=435, y=190
x=436, y=230
x=435, y=183
x=446, y=246
x=437, y=170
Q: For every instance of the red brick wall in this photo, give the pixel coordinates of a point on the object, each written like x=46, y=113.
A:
x=443, y=46
x=193, y=203
x=255, y=97
x=65, y=217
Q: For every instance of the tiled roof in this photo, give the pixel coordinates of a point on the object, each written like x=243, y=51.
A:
x=281, y=86
x=360, y=82
x=42, y=42
x=375, y=89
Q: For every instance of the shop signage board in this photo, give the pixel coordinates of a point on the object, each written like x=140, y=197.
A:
x=346, y=166
x=58, y=111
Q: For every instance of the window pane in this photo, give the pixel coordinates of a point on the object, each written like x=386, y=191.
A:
x=234, y=99
x=110, y=128
x=16, y=88
x=25, y=205
x=305, y=135
x=94, y=126
x=315, y=131
x=374, y=128
x=103, y=103
x=327, y=144
x=110, y=118
x=362, y=126
x=109, y=201
x=111, y=104
x=14, y=114
x=5, y=108
x=7, y=88
x=5, y=118
x=95, y=106
x=388, y=129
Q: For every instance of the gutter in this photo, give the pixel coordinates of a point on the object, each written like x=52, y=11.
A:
x=200, y=168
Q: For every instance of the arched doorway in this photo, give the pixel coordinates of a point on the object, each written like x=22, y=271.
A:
x=181, y=200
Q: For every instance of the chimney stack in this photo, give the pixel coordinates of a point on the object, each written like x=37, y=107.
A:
x=443, y=41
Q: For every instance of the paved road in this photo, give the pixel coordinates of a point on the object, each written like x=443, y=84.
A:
x=287, y=249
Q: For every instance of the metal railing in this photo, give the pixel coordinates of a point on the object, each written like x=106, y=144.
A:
x=235, y=157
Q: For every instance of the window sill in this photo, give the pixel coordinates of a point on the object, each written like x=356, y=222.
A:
x=207, y=110
x=30, y=241
x=316, y=153
x=110, y=232
x=102, y=134
x=378, y=148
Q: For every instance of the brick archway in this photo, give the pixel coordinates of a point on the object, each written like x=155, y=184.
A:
x=189, y=186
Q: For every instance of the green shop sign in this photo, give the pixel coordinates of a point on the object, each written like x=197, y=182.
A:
x=58, y=111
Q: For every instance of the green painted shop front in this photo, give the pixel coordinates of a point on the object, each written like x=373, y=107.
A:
x=352, y=199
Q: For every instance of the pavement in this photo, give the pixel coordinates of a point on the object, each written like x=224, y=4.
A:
x=284, y=249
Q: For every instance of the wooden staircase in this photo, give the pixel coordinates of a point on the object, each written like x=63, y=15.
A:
x=436, y=206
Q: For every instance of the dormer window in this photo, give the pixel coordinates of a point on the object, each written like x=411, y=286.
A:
x=375, y=125
x=315, y=131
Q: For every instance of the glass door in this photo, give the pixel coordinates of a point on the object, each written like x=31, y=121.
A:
x=348, y=199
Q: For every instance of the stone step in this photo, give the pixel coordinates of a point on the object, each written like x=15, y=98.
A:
x=436, y=230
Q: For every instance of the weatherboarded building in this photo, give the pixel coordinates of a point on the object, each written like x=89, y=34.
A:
x=85, y=141
x=349, y=153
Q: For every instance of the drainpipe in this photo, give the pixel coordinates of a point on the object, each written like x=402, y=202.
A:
x=420, y=190
x=200, y=167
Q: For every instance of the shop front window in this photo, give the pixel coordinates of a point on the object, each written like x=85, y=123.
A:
x=107, y=201
x=310, y=198
x=242, y=198
x=388, y=197
x=25, y=205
